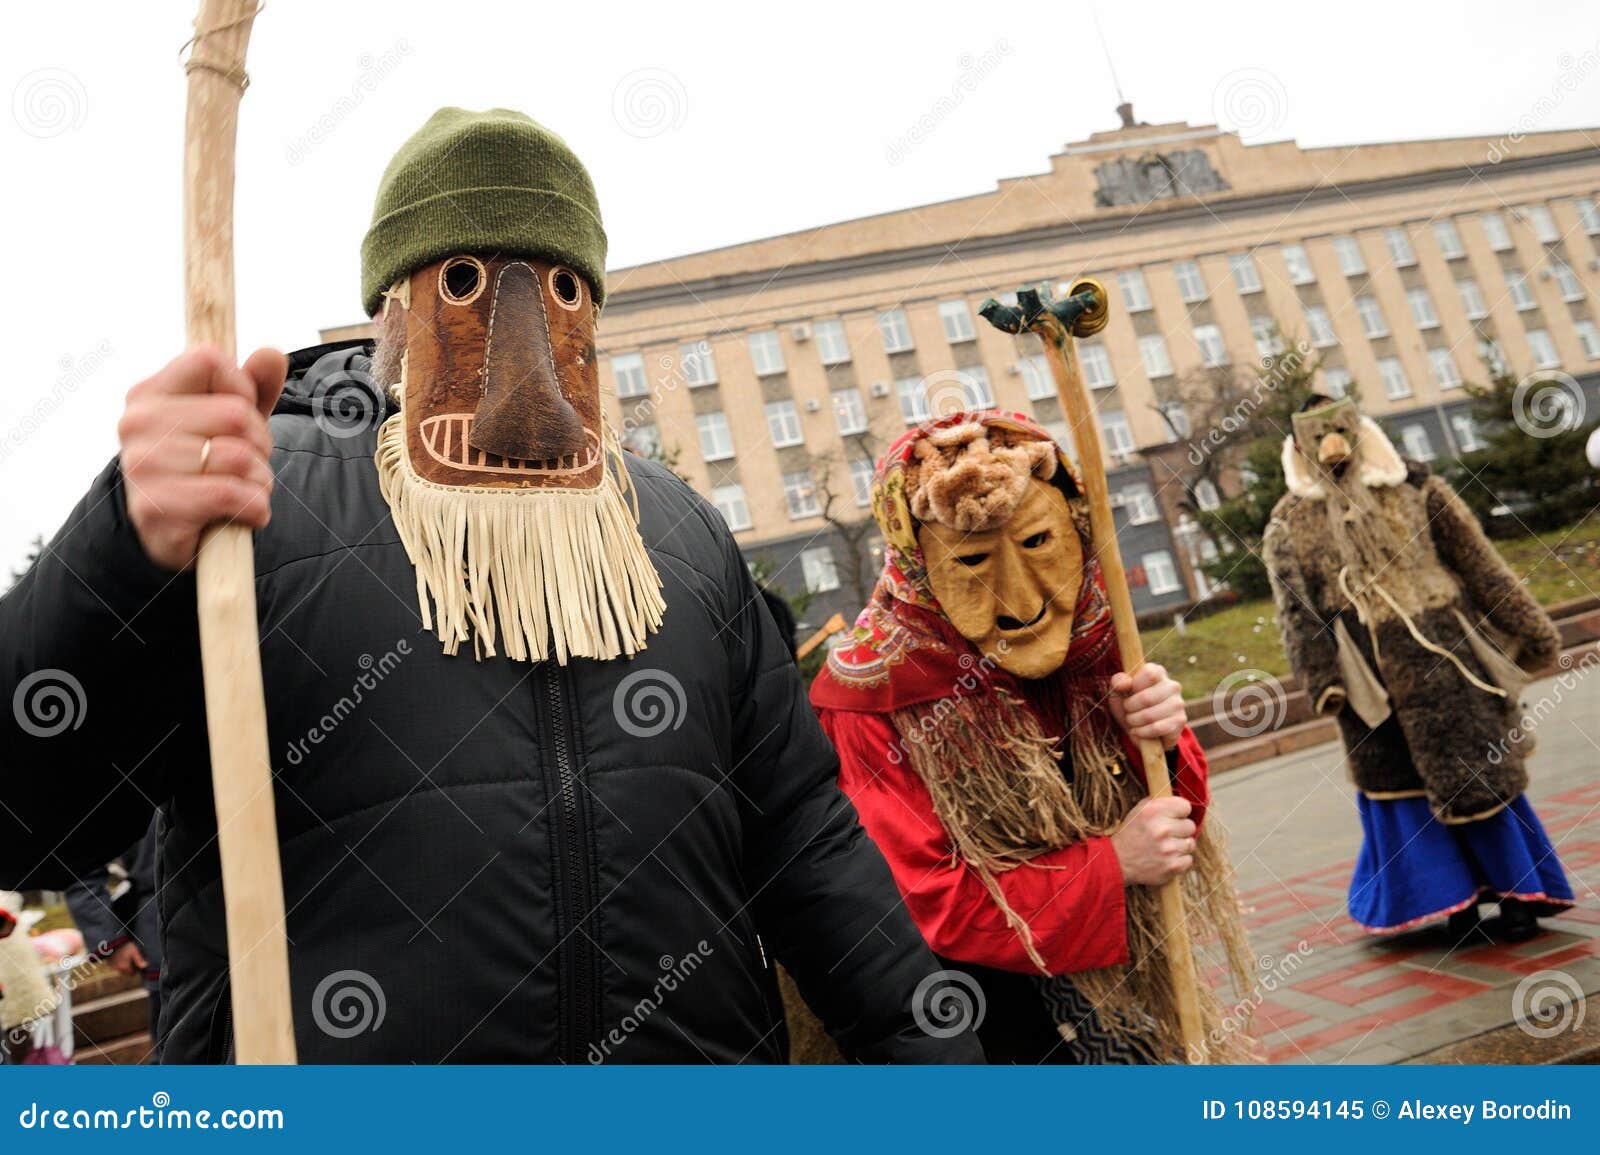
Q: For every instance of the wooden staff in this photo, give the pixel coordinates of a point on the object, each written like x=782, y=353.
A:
x=230, y=646
x=1082, y=314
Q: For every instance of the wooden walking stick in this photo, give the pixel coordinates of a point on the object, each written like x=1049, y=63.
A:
x=230, y=646
x=1082, y=314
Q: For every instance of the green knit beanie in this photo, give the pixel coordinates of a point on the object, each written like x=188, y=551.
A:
x=487, y=183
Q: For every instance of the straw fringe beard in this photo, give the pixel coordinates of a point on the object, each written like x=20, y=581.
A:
x=997, y=787
x=539, y=570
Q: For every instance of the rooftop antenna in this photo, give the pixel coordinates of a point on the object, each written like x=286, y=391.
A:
x=1124, y=108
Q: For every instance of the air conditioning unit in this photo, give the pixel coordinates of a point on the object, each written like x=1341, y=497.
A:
x=1014, y=369
x=813, y=406
x=801, y=332
x=880, y=389
x=1546, y=275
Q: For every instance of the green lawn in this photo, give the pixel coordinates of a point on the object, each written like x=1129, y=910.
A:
x=1558, y=565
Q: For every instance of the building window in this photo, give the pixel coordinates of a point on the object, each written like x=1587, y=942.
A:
x=1322, y=335
x=1590, y=336
x=800, y=494
x=1422, y=309
x=1588, y=215
x=1213, y=351
x=1191, y=285
x=1401, y=254
x=627, y=369
x=730, y=503
x=783, y=424
x=1494, y=228
x=1336, y=382
x=818, y=568
x=1160, y=573
x=975, y=381
x=913, y=399
x=1348, y=250
x=1393, y=376
x=1372, y=322
x=1472, y=302
x=1135, y=293
x=1521, y=292
x=1036, y=377
x=1265, y=332
x=1118, y=436
x=1246, y=278
x=1096, y=365
x=1566, y=279
x=832, y=348
x=1206, y=495
x=766, y=354
x=1140, y=503
x=1153, y=352
x=895, y=329
x=1298, y=263
x=1544, y=224
x=1449, y=239
x=716, y=439
x=1177, y=421
x=1468, y=439
x=699, y=364
x=1493, y=359
x=1543, y=349
x=849, y=411
x=1442, y=364
x=1416, y=442
x=957, y=321
x=645, y=440
x=861, y=471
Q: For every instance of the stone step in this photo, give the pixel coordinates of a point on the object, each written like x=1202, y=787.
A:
x=1271, y=744
x=112, y=1016
x=96, y=980
x=131, y=1050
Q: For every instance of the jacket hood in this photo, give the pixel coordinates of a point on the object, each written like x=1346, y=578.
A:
x=333, y=385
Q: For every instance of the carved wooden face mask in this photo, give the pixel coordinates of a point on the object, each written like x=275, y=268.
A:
x=505, y=483
x=1011, y=591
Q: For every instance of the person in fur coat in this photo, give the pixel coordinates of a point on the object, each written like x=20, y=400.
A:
x=1404, y=622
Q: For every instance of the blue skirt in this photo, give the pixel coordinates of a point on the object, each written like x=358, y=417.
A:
x=1414, y=868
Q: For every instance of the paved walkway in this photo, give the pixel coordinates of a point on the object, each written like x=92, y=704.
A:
x=1350, y=997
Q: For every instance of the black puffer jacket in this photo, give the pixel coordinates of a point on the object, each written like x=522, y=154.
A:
x=483, y=860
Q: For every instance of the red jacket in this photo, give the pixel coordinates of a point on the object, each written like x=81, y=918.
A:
x=1072, y=898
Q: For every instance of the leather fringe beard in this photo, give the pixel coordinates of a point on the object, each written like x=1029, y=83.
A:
x=998, y=787
x=535, y=570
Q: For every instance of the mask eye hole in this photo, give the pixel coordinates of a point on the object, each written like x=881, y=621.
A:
x=972, y=559
x=566, y=288
x=1035, y=540
x=461, y=280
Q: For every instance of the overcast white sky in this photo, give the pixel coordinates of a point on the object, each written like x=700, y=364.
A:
x=703, y=125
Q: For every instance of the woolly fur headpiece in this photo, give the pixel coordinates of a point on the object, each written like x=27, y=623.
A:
x=970, y=477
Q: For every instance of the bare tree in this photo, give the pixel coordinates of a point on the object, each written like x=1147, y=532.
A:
x=844, y=518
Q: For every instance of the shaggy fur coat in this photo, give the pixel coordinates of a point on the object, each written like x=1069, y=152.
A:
x=1422, y=663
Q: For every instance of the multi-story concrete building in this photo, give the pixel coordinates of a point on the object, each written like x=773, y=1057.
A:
x=771, y=374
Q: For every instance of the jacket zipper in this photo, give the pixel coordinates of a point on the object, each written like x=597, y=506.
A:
x=577, y=962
